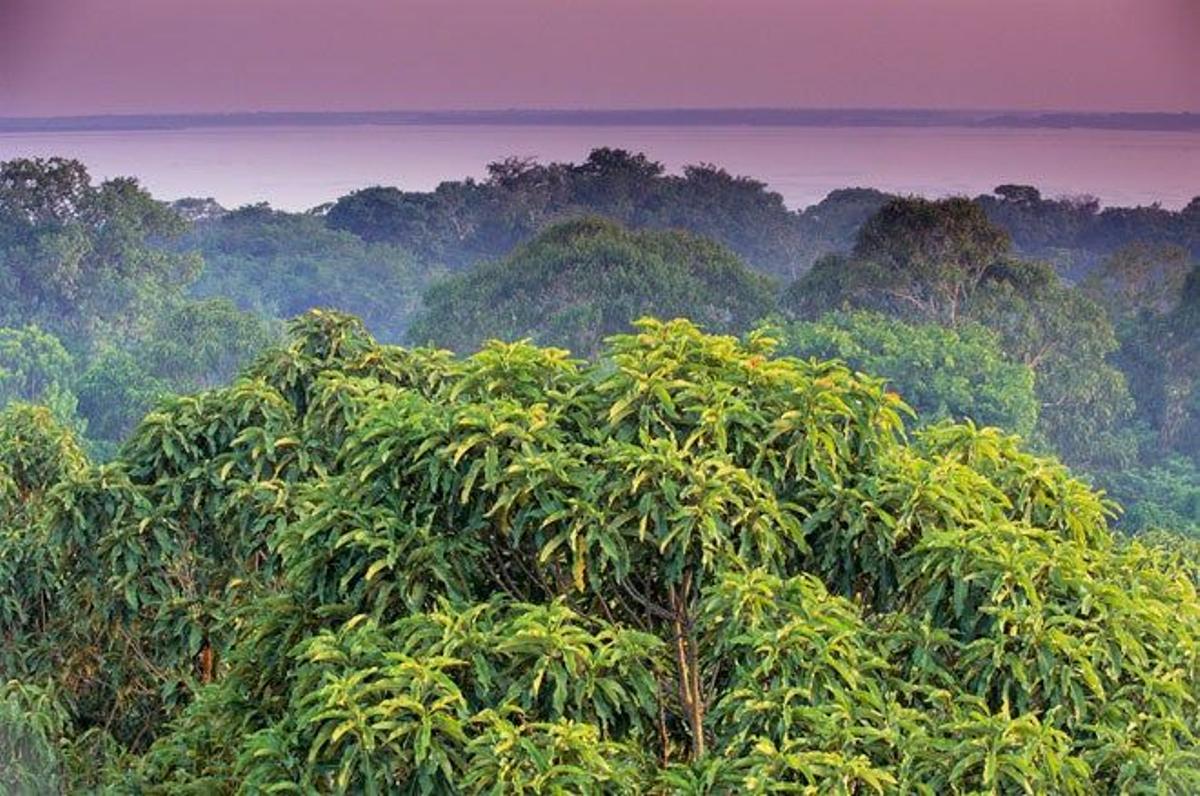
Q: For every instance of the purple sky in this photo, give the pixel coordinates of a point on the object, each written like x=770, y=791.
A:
x=117, y=56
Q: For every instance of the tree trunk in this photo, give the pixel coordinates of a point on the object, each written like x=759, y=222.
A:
x=687, y=661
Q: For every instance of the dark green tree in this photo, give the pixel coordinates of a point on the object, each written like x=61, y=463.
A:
x=1140, y=277
x=282, y=264
x=944, y=262
x=80, y=260
x=581, y=281
x=36, y=368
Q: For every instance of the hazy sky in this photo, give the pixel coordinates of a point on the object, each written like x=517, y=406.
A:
x=102, y=56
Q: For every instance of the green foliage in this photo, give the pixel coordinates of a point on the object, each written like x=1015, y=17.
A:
x=35, y=368
x=95, y=299
x=548, y=757
x=461, y=223
x=693, y=567
x=580, y=281
x=944, y=262
x=941, y=372
x=202, y=344
x=1066, y=339
x=280, y=265
x=833, y=223
x=191, y=345
x=1161, y=354
x=31, y=724
x=105, y=269
x=1165, y=495
x=115, y=392
x=36, y=452
x=914, y=258
x=79, y=260
x=1078, y=236
x=689, y=565
x=1183, y=549
x=1140, y=277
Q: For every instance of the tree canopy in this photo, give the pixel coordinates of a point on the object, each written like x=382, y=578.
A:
x=280, y=265
x=96, y=320
x=1077, y=235
x=692, y=567
x=1141, y=277
x=945, y=262
x=943, y=373
x=461, y=223
x=581, y=281
x=708, y=556
x=114, y=300
x=80, y=260
x=1162, y=354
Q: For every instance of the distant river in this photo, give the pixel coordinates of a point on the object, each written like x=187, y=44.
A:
x=300, y=167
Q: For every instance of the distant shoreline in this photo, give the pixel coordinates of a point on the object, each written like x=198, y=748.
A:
x=683, y=117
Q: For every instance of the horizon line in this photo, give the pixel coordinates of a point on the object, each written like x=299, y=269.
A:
x=751, y=116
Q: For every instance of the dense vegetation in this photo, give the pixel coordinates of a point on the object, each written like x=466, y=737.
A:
x=579, y=282
x=942, y=372
x=693, y=568
x=461, y=223
x=114, y=300
x=281, y=264
x=236, y=562
x=95, y=320
x=944, y=262
x=1111, y=359
x=1076, y=234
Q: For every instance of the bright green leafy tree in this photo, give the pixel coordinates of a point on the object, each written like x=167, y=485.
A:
x=693, y=567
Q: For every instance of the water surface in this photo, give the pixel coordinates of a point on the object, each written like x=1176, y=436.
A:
x=297, y=168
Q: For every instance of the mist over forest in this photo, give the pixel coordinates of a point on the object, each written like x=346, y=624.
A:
x=601, y=478
x=1053, y=318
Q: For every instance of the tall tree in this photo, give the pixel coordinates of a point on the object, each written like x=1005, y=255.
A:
x=82, y=260
x=943, y=261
